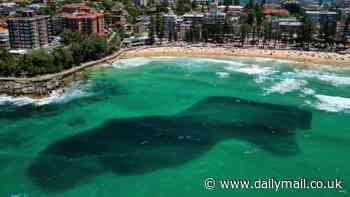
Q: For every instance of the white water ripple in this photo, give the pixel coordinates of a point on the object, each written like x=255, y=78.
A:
x=332, y=103
x=286, y=85
x=75, y=91
x=251, y=70
x=325, y=76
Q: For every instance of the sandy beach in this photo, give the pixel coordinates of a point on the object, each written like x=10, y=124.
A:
x=299, y=56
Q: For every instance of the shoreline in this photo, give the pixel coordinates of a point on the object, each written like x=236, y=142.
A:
x=302, y=57
x=42, y=86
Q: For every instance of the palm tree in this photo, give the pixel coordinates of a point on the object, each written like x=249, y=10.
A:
x=244, y=30
x=307, y=31
x=267, y=30
x=255, y=17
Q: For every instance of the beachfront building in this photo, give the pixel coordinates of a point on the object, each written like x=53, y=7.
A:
x=182, y=27
x=342, y=3
x=232, y=9
x=4, y=38
x=168, y=2
x=233, y=15
x=290, y=24
x=29, y=31
x=169, y=20
x=37, y=7
x=57, y=25
x=141, y=2
x=193, y=17
x=289, y=28
x=202, y=2
x=319, y=16
x=135, y=41
x=273, y=11
x=8, y=8
x=343, y=24
x=3, y=21
x=215, y=17
x=119, y=17
x=75, y=7
x=78, y=17
x=185, y=22
x=139, y=28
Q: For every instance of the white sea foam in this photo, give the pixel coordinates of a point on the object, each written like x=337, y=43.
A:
x=308, y=91
x=131, y=63
x=263, y=78
x=75, y=91
x=140, y=61
x=271, y=60
x=251, y=69
x=222, y=74
x=332, y=103
x=219, y=61
x=286, y=85
x=19, y=101
x=298, y=79
x=329, y=77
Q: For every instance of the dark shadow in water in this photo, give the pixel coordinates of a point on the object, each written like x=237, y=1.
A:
x=144, y=144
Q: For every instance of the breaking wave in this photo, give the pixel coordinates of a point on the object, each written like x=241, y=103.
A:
x=332, y=103
x=77, y=90
x=251, y=70
x=325, y=76
x=286, y=85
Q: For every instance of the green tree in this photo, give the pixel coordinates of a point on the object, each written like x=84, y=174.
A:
x=115, y=42
x=108, y=4
x=196, y=32
x=162, y=7
x=51, y=9
x=41, y=63
x=77, y=53
x=152, y=29
x=68, y=37
x=183, y=6
x=194, y=5
x=227, y=2
x=294, y=9
x=205, y=32
x=307, y=31
x=7, y=63
x=159, y=26
x=189, y=35
x=133, y=11
x=328, y=31
x=63, y=57
x=267, y=31
x=71, y=1
x=244, y=30
x=346, y=28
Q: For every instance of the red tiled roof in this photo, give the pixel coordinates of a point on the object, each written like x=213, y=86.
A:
x=75, y=5
x=80, y=15
x=272, y=11
x=3, y=30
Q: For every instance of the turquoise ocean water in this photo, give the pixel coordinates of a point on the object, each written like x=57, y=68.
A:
x=161, y=126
